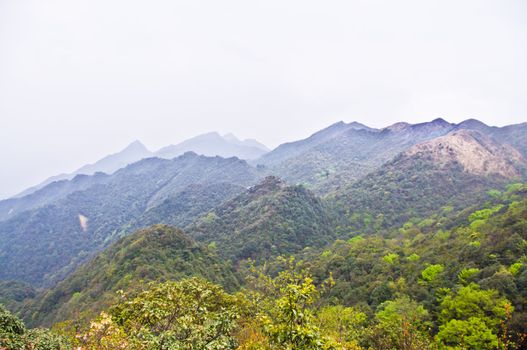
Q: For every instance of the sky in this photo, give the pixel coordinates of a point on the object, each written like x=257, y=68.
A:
x=82, y=79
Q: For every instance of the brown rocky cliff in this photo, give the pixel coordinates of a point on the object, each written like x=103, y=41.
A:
x=476, y=153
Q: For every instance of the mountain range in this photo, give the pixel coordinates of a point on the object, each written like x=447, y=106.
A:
x=349, y=199
x=344, y=153
x=209, y=144
x=71, y=228
x=360, y=172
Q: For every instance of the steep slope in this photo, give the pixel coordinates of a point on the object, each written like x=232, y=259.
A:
x=454, y=170
x=205, y=170
x=109, y=164
x=344, y=153
x=183, y=207
x=269, y=219
x=291, y=149
x=50, y=193
x=483, y=244
x=14, y=294
x=514, y=135
x=68, y=231
x=213, y=144
x=158, y=253
x=476, y=153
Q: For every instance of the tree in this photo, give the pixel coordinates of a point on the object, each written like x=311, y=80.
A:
x=286, y=309
x=472, y=301
x=401, y=324
x=291, y=323
x=15, y=336
x=471, y=318
x=12, y=330
x=189, y=314
x=467, y=334
x=345, y=325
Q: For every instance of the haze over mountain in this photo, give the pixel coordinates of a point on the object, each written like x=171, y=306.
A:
x=384, y=190
x=363, y=171
x=109, y=164
x=210, y=144
x=402, y=226
x=343, y=153
x=213, y=144
x=68, y=230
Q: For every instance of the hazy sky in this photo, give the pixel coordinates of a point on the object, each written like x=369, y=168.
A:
x=81, y=79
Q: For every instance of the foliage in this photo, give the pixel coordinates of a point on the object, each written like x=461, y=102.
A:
x=158, y=253
x=472, y=333
x=346, y=325
x=401, y=324
x=473, y=302
x=131, y=198
x=14, y=294
x=190, y=314
x=269, y=219
x=14, y=335
x=429, y=274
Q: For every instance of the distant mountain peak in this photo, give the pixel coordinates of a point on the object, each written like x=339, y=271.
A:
x=358, y=126
x=136, y=145
x=214, y=144
x=231, y=137
x=398, y=126
x=473, y=124
x=440, y=121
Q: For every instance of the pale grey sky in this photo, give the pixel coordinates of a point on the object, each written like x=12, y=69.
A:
x=81, y=79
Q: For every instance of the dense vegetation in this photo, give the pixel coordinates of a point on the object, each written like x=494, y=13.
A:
x=267, y=220
x=406, y=188
x=159, y=253
x=429, y=251
x=184, y=207
x=343, y=153
x=454, y=279
x=110, y=210
x=434, y=260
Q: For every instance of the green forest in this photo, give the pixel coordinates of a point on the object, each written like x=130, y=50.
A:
x=409, y=237
x=452, y=280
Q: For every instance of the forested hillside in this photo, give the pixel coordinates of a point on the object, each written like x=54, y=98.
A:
x=343, y=153
x=407, y=237
x=455, y=278
x=455, y=170
x=68, y=231
x=269, y=219
x=159, y=253
x=479, y=250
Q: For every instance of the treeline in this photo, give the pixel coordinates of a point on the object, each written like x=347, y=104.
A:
x=284, y=312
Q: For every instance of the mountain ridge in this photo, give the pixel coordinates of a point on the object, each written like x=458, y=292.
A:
x=110, y=209
x=341, y=154
x=268, y=219
x=228, y=146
